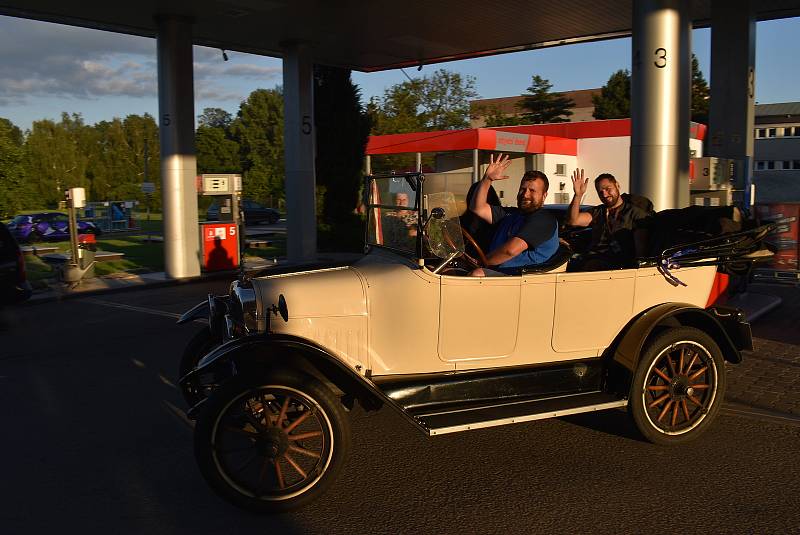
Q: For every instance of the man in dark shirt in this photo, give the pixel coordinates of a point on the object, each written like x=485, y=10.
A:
x=523, y=236
x=616, y=232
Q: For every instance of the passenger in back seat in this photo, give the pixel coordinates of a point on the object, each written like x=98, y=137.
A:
x=618, y=234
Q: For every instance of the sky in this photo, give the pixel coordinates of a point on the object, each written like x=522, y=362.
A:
x=48, y=69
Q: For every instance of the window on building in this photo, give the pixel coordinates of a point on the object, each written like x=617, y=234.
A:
x=796, y=131
x=772, y=132
x=561, y=169
x=796, y=164
x=761, y=132
x=771, y=164
x=761, y=165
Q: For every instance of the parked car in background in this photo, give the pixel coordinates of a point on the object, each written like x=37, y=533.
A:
x=253, y=212
x=51, y=226
x=14, y=286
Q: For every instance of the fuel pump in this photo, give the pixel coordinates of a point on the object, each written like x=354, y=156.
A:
x=81, y=261
x=221, y=240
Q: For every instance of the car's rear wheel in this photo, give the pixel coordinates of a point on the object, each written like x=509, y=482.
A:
x=678, y=387
x=273, y=444
x=199, y=346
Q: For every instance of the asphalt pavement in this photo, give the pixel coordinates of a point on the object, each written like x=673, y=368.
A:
x=95, y=440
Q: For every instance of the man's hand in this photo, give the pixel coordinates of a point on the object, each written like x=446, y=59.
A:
x=497, y=168
x=579, y=183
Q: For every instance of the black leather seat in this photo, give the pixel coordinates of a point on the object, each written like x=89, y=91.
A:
x=557, y=262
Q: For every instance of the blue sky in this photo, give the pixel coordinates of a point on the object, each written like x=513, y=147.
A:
x=49, y=68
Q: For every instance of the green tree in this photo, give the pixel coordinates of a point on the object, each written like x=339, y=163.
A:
x=436, y=102
x=15, y=190
x=215, y=152
x=258, y=129
x=342, y=128
x=495, y=117
x=700, y=94
x=614, y=100
x=54, y=157
x=215, y=118
x=540, y=105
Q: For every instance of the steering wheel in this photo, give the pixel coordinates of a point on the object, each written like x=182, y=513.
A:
x=481, y=260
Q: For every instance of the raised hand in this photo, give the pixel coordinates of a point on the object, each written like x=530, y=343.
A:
x=497, y=168
x=579, y=182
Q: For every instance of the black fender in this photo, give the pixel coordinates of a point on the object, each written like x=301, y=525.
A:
x=725, y=325
x=260, y=352
x=200, y=310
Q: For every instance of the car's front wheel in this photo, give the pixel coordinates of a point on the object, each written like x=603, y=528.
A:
x=678, y=387
x=272, y=444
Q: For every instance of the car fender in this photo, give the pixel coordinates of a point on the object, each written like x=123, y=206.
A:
x=200, y=310
x=254, y=353
x=626, y=349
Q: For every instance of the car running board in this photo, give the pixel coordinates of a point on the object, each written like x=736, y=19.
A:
x=446, y=421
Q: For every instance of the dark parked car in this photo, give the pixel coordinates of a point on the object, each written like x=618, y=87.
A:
x=253, y=212
x=14, y=286
x=51, y=226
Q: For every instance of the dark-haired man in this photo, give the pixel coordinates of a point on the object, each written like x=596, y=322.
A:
x=616, y=232
x=523, y=236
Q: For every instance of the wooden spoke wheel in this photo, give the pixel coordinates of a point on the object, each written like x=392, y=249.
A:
x=678, y=387
x=272, y=445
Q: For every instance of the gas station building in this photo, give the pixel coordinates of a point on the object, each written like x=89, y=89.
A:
x=555, y=149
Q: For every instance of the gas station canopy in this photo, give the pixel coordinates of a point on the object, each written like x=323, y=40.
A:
x=373, y=35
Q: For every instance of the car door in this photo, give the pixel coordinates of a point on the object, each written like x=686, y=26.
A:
x=478, y=317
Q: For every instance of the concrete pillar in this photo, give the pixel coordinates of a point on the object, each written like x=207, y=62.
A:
x=299, y=146
x=176, y=134
x=732, y=113
x=660, y=102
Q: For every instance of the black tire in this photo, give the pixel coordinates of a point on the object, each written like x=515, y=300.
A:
x=678, y=387
x=200, y=344
x=260, y=466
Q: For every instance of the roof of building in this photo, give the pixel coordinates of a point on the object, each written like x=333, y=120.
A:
x=781, y=109
x=508, y=105
x=377, y=34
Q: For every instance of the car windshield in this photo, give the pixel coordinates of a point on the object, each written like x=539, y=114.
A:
x=393, y=212
x=21, y=219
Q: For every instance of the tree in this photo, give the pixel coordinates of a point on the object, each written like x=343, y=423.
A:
x=342, y=128
x=214, y=118
x=215, y=152
x=15, y=190
x=436, y=102
x=614, y=100
x=493, y=116
x=258, y=129
x=540, y=105
x=700, y=94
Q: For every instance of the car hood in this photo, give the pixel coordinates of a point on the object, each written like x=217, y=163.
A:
x=319, y=293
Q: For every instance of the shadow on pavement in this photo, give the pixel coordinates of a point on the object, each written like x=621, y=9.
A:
x=611, y=422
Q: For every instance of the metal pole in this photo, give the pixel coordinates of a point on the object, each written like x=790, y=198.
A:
x=178, y=162
x=660, y=103
x=368, y=165
x=732, y=113
x=299, y=148
x=73, y=231
x=419, y=162
x=476, y=165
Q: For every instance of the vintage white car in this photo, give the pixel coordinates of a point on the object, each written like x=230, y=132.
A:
x=284, y=357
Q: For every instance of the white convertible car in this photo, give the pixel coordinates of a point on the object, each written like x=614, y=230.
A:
x=270, y=380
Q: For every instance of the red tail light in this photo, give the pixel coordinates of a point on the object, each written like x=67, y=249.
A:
x=21, y=276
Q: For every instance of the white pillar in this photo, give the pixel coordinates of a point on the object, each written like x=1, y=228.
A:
x=176, y=134
x=299, y=138
x=733, y=78
x=660, y=102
